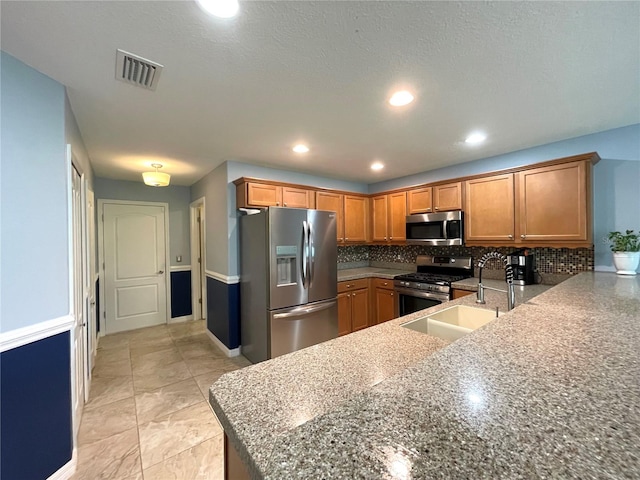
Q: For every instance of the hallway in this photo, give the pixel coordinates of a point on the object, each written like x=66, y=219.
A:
x=148, y=415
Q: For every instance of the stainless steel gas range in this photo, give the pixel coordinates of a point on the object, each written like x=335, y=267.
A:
x=431, y=284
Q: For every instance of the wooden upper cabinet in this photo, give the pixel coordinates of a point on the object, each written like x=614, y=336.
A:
x=296, y=197
x=380, y=216
x=489, y=209
x=447, y=197
x=419, y=201
x=261, y=195
x=356, y=212
x=555, y=203
x=389, y=214
x=333, y=202
x=397, y=203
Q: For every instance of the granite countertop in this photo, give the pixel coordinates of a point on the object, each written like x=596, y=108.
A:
x=549, y=390
x=368, y=272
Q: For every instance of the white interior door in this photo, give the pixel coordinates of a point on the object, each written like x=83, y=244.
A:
x=79, y=332
x=134, y=266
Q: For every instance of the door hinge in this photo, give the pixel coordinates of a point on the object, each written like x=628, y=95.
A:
x=198, y=218
x=200, y=301
x=104, y=315
x=103, y=217
x=102, y=265
x=198, y=260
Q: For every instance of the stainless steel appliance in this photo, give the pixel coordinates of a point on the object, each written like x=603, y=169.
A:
x=446, y=228
x=431, y=284
x=523, y=263
x=288, y=281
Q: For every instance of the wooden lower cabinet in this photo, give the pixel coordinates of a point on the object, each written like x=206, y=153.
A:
x=353, y=306
x=234, y=467
x=459, y=293
x=384, y=300
x=365, y=302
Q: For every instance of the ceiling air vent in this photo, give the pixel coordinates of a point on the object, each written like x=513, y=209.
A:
x=137, y=71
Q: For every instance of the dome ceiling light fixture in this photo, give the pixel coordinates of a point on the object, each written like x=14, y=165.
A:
x=220, y=8
x=401, y=98
x=300, y=148
x=156, y=179
x=476, y=138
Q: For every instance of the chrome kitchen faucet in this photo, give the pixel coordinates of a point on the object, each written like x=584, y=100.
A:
x=511, y=293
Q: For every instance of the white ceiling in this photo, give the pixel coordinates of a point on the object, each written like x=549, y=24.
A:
x=527, y=73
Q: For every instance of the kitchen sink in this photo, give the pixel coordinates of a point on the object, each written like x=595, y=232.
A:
x=452, y=323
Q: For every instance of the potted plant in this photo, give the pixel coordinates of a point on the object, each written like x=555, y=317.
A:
x=626, y=251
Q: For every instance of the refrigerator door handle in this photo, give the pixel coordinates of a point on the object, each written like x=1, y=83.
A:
x=304, y=254
x=311, y=254
x=296, y=312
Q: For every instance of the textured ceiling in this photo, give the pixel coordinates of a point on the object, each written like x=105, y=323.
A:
x=526, y=73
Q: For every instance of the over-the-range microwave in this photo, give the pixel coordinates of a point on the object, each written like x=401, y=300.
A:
x=446, y=228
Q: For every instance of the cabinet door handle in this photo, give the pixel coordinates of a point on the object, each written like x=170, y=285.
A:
x=348, y=294
x=284, y=204
x=523, y=236
x=436, y=208
x=390, y=238
x=511, y=237
x=277, y=204
x=346, y=238
x=391, y=292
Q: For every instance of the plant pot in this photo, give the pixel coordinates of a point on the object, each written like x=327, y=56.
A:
x=626, y=263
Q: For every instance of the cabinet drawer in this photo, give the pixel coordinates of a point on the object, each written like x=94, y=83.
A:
x=383, y=283
x=352, y=285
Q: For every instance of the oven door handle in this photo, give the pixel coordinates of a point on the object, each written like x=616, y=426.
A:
x=420, y=294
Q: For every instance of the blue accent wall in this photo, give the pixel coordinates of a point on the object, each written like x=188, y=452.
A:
x=181, y=294
x=223, y=311
x=35, y=411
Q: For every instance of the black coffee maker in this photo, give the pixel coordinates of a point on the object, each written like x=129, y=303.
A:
x=523, y=263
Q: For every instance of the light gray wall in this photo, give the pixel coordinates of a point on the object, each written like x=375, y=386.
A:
x=213, y=187
x=236, y=170
x=34, y=279
x=616, y=179
x=177, y=197
x=72, y=136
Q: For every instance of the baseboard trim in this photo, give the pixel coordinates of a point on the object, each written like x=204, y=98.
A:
x=223, y=278
x=33, y=333
x=67, y=470
x=229, y=353
x=185, y=318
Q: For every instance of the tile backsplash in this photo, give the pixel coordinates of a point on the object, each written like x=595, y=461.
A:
x=548, y=260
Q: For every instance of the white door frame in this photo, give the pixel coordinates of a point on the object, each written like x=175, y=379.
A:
x=90, y=206
x=71, y=164
x=101, y=203
x=198, y=278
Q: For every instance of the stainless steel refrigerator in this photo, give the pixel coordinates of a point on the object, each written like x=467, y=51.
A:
x=288, y=281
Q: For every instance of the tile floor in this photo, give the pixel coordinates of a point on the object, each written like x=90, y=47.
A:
x=148, y=415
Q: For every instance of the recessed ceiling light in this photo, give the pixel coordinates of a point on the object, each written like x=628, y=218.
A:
x=377, y=166
x=220, y=8
x=401, y=98
x=475, y=138
x=300, y=148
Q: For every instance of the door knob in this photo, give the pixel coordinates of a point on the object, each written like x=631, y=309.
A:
x=160, y=272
